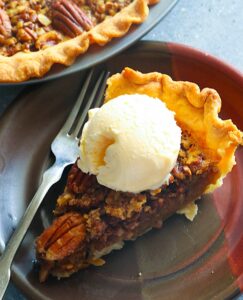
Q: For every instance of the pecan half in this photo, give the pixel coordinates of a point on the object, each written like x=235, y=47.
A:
x=69, y=18
x=5, y=24
x=79, y=182
x=62, y=238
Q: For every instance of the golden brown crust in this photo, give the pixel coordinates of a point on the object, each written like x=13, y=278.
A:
x=196, y=111
x=152, y=2
x=23, y=66
x=117, y=26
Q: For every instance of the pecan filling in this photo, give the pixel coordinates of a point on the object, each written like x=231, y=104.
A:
x=95, y=219
x=36, y=24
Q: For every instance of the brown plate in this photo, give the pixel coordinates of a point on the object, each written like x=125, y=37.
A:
x=183, y=260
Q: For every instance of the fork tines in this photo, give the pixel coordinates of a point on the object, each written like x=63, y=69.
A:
x=91, y=95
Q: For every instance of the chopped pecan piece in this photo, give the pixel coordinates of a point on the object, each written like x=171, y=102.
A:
x=26, y=35
x=5, y=24
x=47, y=39
x=69, y=18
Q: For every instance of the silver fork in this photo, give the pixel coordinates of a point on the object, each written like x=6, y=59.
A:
x=65, y=149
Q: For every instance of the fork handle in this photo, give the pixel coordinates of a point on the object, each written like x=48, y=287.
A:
x=51, y=176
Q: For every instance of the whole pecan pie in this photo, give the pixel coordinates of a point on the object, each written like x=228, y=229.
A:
x=92, y=220
x=35, y=34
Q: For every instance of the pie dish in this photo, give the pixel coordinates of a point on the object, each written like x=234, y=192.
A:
x=34, y=35
x=93, y=220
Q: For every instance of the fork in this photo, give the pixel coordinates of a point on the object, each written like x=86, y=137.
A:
x=65, y=149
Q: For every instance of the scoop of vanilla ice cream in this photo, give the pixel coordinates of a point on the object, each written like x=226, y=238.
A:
x=131, y=143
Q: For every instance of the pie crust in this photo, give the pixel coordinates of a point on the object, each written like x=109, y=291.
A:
x=23, y=66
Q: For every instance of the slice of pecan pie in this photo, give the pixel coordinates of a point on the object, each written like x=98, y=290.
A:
x=35, y=34
x=93, y=220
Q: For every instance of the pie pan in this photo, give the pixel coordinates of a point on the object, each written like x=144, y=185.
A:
x=97, y=54
x=187, y=260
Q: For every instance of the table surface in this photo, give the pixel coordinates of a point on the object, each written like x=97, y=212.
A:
x=214, y=26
